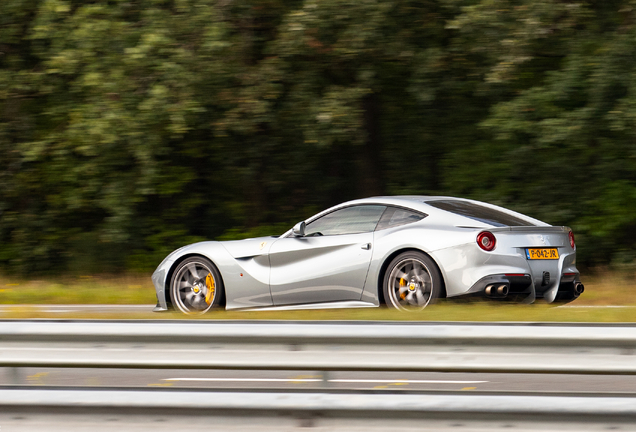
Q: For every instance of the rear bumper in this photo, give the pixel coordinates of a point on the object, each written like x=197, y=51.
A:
x=519, y=287
x=523, y=288
x=567, y=292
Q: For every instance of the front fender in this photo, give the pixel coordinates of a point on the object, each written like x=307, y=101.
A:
x=242, y=288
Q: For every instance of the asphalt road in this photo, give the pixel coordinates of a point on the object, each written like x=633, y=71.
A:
x=334, y=381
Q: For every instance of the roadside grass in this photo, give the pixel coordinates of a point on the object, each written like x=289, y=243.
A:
x=608, y=288
x=444, y=311
x=88, y=289
x=601, y=289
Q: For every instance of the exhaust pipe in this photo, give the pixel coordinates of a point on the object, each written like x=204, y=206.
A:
x=498, y=291
x=578, y=288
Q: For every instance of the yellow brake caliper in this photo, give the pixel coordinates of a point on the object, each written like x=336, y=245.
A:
x=209, y=282
x=402, y=284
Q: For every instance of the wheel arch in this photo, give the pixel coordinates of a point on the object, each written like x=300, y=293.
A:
x=387, y=261
x=173, y=267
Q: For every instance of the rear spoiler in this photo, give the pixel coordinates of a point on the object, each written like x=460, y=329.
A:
x=533, y=229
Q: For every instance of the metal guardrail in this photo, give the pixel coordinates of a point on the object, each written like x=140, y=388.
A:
x=320, y=346
x=141, y=410
x=308, y=331
x=321, y=402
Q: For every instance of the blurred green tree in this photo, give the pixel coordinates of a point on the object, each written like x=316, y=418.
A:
x=131, y=127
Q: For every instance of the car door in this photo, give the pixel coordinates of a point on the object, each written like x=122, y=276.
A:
x=330, y=263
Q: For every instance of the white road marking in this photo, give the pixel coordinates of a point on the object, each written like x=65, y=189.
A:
x=405, y=381
x=247, y=379
x=331, y=380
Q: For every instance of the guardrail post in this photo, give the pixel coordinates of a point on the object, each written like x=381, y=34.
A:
x=326, y=376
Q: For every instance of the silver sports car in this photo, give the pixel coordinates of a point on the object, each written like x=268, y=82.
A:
x=404, y=252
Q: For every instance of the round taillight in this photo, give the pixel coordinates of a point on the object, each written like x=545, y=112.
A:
x=486, y=240
x=571, y=235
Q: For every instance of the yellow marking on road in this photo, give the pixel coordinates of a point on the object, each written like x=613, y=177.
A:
x=93, y=382
x=160, y=385
x=37, y=376
x=396, y=383
x=11, y=284
x=300, y=379
x=469, y=388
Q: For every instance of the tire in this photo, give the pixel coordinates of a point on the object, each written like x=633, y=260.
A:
x=196, y=286
x=412, y=281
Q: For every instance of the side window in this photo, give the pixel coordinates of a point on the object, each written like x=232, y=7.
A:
x=394, y=216
x=349, y=220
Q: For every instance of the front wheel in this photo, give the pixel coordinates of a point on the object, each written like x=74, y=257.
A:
x=411, y=282
x=196, y=286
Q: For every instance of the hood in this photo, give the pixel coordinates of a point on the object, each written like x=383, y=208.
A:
x=248, y=247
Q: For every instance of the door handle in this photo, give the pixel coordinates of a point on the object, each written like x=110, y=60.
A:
x=366, y=246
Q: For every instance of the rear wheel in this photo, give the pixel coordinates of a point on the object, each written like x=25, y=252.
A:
x=411, y=282
x=196, y=286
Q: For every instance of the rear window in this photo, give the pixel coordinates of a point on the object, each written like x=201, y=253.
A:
x=479, y=213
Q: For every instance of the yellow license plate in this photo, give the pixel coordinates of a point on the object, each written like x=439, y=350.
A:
x=542, y=253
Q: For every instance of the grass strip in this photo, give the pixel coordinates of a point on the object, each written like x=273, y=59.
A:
x=446, y=311
x=82, y=289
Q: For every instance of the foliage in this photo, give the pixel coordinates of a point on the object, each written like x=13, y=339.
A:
x=131, y=127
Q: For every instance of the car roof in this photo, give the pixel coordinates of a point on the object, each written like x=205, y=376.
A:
x=419, y=203
x=416, y=202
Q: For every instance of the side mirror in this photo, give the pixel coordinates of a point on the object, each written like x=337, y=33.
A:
x=299, y=229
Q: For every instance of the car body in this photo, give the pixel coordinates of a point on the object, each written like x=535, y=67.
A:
x=341, y=257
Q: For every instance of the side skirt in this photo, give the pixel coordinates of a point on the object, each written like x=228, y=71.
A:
x=328, y=305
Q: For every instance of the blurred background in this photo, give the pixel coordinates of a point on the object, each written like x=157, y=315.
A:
x=131, y=127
